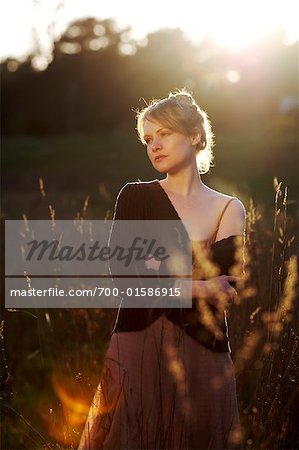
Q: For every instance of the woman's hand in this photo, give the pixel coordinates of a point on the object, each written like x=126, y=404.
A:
x=217, y=290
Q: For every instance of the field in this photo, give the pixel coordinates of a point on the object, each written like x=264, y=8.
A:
x=52, y=359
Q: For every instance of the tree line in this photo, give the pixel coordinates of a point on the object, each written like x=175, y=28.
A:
x=98, y=75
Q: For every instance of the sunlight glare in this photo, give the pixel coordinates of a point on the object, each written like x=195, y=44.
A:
x=70, y=48
x=39, y=63
x=12, y=65
x=238, y=24
x=98, y=43
x=234, y=23
x=233, y=76
x=127, y=48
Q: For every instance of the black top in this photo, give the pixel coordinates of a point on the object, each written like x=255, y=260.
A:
x=149, y=201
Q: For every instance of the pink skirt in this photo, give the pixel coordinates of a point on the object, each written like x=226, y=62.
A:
x=160, y=389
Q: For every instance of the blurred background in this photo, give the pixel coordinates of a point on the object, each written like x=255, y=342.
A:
x=73, y=74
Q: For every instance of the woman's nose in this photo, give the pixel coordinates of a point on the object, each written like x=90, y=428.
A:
x=156, y=145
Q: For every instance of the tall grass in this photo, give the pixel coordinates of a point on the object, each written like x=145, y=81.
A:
x=266, y=322
x=52, y=359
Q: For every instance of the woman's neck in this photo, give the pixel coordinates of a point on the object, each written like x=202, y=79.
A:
x=185, y=183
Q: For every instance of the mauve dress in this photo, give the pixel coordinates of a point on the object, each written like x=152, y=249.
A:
x=161, y=389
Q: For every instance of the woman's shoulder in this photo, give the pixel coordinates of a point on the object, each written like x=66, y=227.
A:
x=231, y=214
x=136, y=187
x=133, y=199
x=224, y=200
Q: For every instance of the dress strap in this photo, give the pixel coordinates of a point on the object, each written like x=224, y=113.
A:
x=222, y=214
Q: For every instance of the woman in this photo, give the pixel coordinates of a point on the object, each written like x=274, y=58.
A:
x=168, y=379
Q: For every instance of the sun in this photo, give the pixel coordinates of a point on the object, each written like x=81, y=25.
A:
x=238, y=24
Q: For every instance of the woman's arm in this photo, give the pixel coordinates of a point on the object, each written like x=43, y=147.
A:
x=128, y=207
x=217, y=291
x=129, y=203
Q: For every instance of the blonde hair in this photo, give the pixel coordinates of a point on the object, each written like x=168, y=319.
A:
x=180, y=112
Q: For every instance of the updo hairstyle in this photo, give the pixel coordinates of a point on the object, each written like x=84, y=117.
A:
x=180, y=112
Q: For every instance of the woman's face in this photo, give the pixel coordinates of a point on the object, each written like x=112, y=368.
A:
x=168, y=150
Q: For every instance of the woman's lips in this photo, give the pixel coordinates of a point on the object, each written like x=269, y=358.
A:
x=158, y=158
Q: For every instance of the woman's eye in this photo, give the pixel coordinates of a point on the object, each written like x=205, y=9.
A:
x=165, y=133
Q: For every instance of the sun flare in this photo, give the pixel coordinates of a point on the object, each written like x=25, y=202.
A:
x=233, y=23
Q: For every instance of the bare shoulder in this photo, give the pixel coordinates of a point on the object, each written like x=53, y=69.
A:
x=231, y=213
x=232, y=202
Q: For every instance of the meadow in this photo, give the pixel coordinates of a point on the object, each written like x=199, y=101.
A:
x=52, y=359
